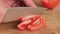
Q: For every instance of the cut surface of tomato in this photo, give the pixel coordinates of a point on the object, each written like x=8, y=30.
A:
x=39, y=23
x=23, y=25
x=31, y=22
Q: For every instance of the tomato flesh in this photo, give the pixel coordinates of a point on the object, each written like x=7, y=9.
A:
x=23, y=25
x=39, y=23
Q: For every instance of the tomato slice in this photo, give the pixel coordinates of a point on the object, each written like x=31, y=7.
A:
x=49, y=3
x=23, y=25
x=37, y=24
x=31, y=22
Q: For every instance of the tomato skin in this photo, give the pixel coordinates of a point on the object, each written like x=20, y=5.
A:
x=39, y=23
x=49, y=3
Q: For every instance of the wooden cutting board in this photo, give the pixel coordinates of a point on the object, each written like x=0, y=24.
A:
x=10, y=21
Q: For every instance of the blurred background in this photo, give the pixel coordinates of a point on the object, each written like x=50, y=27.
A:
x=37, y=2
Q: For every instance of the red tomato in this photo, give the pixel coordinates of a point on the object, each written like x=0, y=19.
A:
x=39, y=23
x=49, y=3
x=31, y=22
